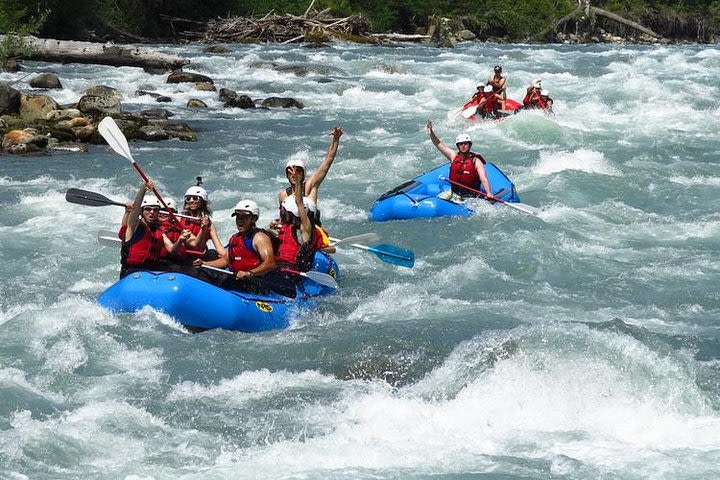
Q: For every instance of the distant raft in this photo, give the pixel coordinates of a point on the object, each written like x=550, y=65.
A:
x=202, y=306
x=418, y=198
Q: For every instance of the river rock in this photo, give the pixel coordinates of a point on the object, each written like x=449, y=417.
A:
x=231, y=98
x=74, y=122
x=83, y=133
x=45, y=80
x=196, y=103
x=216, y=49
x=9, y=99
x=36, y=107
x=14, y=140
x=100, y=100
x=157, y=113
x=282, y=102
x=65, y=114
x=11, y=65
x=152, y=133
x=205, y=87
x=55, y=144
x=465, y=35
x=178, y=76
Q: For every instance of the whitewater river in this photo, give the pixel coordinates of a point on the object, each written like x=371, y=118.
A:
x=584, y=344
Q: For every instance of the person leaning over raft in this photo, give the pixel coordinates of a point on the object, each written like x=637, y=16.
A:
x=250, y=255
x=143, y=240
x=466, y=168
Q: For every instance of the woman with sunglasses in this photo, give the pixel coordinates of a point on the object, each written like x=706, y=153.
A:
x=142, y=237
x=173, y=228
x=202, y=229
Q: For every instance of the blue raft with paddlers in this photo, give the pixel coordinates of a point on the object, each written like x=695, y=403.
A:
x=202, y=306
x=418, y=198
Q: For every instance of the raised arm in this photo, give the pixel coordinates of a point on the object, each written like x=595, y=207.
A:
x=313, y=183
x=133, y=218
x=305, y=223
x=444, y=149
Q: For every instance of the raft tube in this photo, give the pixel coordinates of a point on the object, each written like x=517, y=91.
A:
x=202, y=306
x=418, y=198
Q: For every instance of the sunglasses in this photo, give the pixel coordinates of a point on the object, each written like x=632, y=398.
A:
x=193, y=198
x=154, y=209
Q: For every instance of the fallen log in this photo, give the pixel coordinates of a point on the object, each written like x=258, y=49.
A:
x=628, y=23
x=400, y=37
x=67, y=51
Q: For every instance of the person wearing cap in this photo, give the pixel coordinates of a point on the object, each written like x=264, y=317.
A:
x=250, y=254
x=532, y=94
x=546, y=102
x=142, y=238
x=466, y=168
x=295, y=170
x=298, y=238
x=497, y=81
x=489, y=105
x=478, y=92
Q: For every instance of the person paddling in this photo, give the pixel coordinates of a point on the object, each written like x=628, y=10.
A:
x=143, y=240
x=466, y=168
x=546, y=101
x=250, y=254
x=497, y=81
x=532, y=94
x=488, y=106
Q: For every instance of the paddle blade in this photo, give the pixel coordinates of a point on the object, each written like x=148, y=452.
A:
x=454, y=113
x=363, y=238
x=108, y=239
x=91, y=199
x=322, y=278
x=394, y=255
x=469, y=112
x=114, y=137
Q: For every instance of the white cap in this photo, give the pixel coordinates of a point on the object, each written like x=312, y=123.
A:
x=290, y=205
x=488, y=89
x=199, y=191
x=462, y=138
x=247, y=206
x=150, y=201
x=296, y=162
x=544, y=92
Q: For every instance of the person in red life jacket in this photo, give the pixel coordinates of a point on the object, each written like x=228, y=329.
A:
x=298, y=238
x=143, y=240
x=497, y=82
x=478, y=93
x=173, y=228
x=532, y=94
x=489, y=104
x=295, y=172
x=250, y=254
x=466, y=168
x=201, y=228
x=545, y=101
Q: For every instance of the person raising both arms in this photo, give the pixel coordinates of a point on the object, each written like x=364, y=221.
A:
x=497, y=81
x=250, y=255
x=143, y=240
x=467, y=169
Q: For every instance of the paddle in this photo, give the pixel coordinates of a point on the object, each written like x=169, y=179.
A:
x=110, y=239
x=92, y=199
x=455, y=112
x=389, y=254
x=516, y=205
x=362, y=238
x=317, y=277
x=117, y=141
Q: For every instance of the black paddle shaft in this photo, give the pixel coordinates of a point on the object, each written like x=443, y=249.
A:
x=91, y=199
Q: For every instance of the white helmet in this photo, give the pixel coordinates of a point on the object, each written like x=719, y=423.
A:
x=462, y=138
x=488, y=89
x=199, y=191
x=290, y=205
x=295, y=162
x=150, y=201
x=544, y=92
x=480, y=85
x=171, y=204
x=246, y=206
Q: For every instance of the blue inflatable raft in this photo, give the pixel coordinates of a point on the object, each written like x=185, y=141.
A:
x=418, y=198
x=203, y=306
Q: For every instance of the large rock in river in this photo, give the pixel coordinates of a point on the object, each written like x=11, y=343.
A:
x=46, y=80
x=282, y=102
x=36, y=107
x=9, y=99
x=178, y=76
x=100, y=100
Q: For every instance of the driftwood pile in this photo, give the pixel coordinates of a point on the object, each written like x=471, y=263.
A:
x=311, y=26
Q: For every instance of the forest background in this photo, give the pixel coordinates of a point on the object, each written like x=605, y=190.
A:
x=508, y=20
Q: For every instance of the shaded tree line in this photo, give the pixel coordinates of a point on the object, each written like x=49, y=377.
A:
x=509, y=19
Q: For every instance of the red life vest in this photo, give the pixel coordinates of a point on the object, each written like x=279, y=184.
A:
x=491, y=104
x=143, y=249
x=173, y=230
x=463, y=171
x=195, y=226
x=295, y=254
x=241, y=253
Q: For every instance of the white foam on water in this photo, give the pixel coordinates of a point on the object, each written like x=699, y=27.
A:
x=584, y=160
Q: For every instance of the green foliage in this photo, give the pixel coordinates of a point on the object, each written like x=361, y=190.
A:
x=16, y=23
